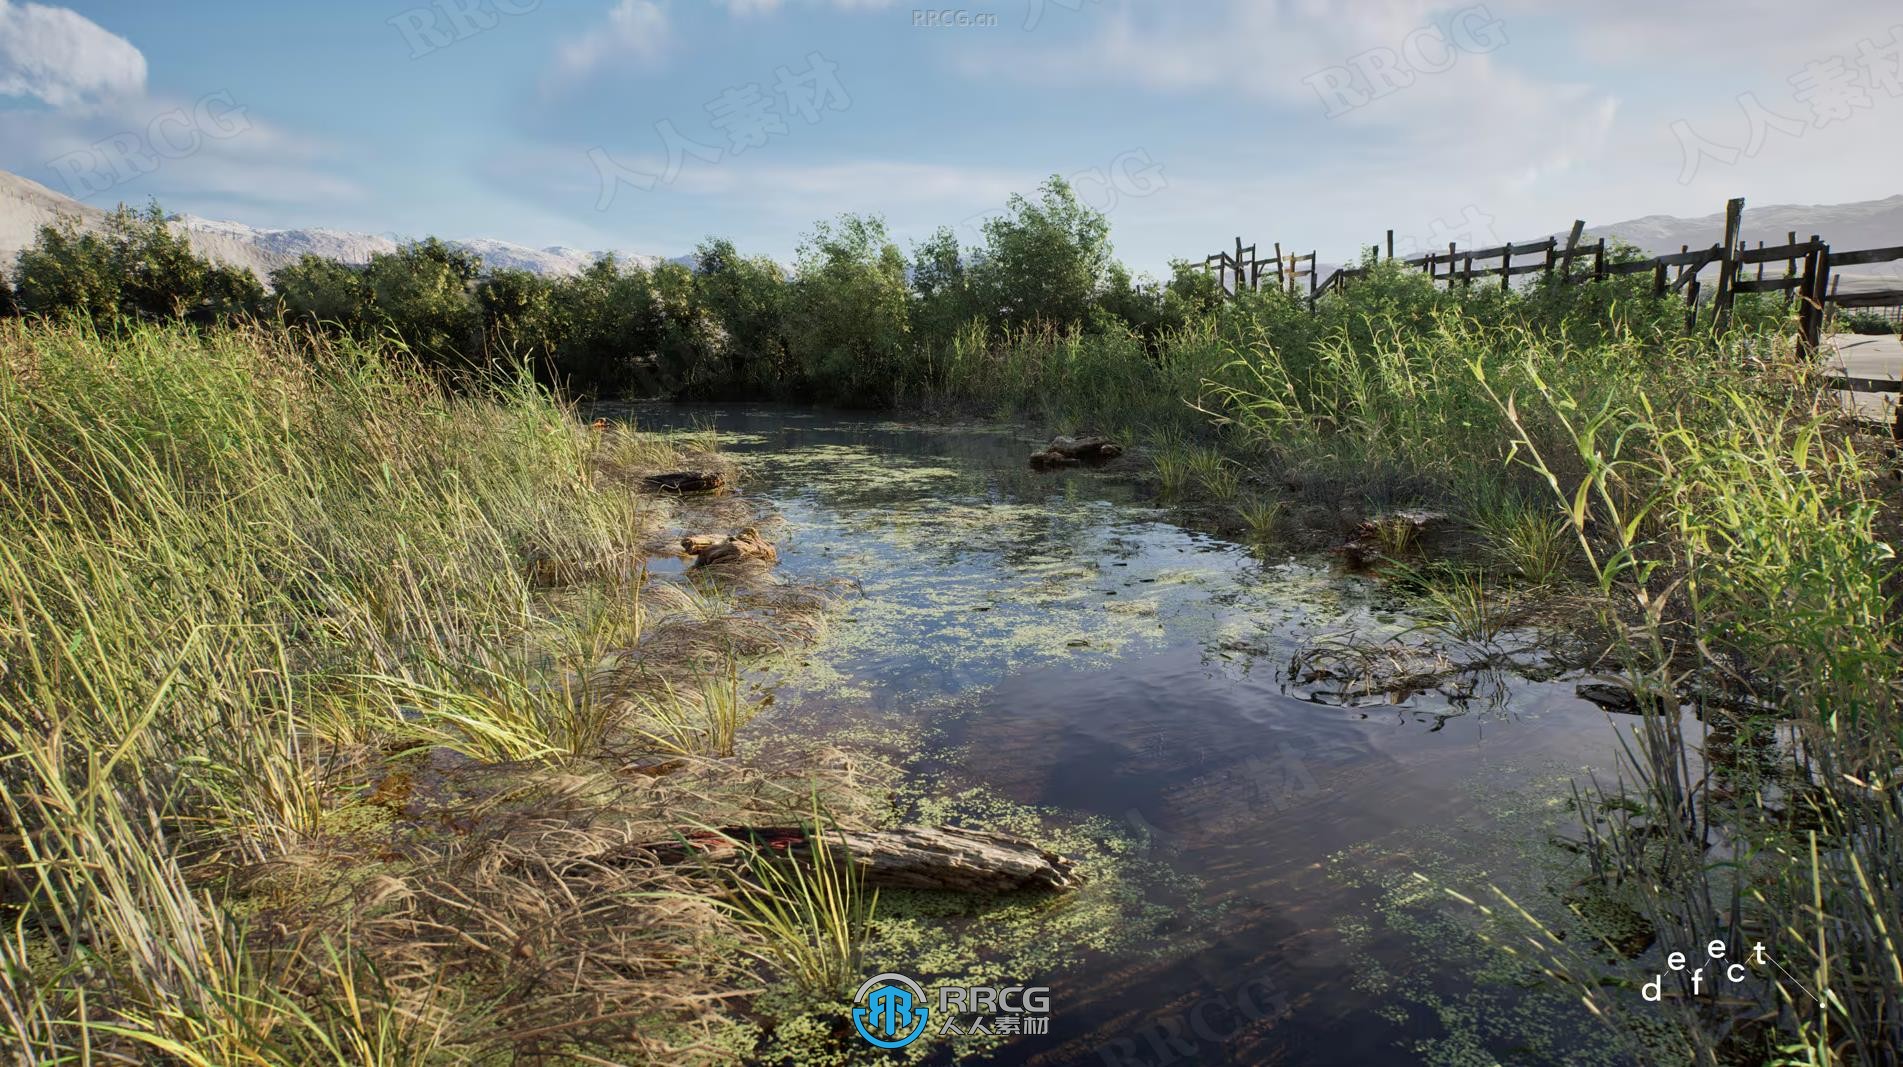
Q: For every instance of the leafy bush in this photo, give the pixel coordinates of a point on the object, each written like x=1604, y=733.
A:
x=1044, y=261
x=133, y=265
x=1866, y=322
x=848, y=311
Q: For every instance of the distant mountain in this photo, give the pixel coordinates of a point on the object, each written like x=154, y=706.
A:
x=26, y=205
x=1865, y=224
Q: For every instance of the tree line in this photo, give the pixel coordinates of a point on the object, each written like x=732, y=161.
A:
x=854, y=321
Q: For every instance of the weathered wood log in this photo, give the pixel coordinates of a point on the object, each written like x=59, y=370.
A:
x=909, y=857
x=1387, y=534
x=709, y=550
x=1065, y=451
x=685, y=482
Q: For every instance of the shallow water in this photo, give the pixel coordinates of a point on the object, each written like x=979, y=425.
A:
x=1060, y=640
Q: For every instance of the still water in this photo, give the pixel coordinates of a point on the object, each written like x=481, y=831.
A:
x=1061, y=640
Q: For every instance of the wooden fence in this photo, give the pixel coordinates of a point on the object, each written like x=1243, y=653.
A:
x=1806, y=280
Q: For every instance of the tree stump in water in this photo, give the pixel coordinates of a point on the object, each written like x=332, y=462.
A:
x=1069, y=451
x=685, y=482
x=909, y=857
x=709, y=550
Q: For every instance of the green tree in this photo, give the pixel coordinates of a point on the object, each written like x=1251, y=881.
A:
x=747, y=297
x=517, y=311
x=944, y=300
x=319, y=291
x=228, y=292
x=1044, y=261
x=848, y=311
x=132, y=264
x=68, y=270
x=9, y=306
x=421, y=293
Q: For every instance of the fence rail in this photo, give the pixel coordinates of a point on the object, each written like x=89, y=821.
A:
x=1806, y=280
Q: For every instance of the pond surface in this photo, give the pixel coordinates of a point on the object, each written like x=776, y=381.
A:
x=1061, y=641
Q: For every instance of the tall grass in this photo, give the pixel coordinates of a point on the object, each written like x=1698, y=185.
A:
x=809, y=919
x=234, y=567
x=1740, y=533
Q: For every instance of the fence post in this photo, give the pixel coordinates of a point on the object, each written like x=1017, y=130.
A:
x=1314, y=268
x=1453, y=265
x=1390, y=244
x=1790, y=268
x=1807, y=317
x=1280, y=282
x=1658, y=279
x=1824, y=292
x=1599, y=261
x=1572, y=243
x=1506, y=269
x=1727, y=266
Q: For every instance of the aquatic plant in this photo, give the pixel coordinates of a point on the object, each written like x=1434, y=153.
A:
x=1260, y=515
x=809, y=916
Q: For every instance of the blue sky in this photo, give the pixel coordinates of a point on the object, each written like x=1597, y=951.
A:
x=1316, y=124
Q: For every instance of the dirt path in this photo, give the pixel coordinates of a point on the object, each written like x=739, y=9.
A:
x=1868, y=356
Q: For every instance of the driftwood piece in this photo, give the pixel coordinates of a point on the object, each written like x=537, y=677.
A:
x=909, y=857
x=1388, y=534
x=709, y=550
x=1068, y=451
x=685, y=482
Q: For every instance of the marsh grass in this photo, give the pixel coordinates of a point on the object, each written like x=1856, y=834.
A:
x=1460, y=603
x=248, y=580
x=1173, y=474
x=1260, y=516
x=705, y=720
x=809, y=918
x=1744, y=547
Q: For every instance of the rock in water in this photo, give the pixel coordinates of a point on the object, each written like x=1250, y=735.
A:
x=1614, y=698
x=685, y=482
x=1067, y=451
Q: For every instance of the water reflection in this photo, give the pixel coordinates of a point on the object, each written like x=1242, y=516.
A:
x=1057, y=638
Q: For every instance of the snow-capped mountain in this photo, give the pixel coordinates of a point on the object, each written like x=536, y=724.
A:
x=26, y=205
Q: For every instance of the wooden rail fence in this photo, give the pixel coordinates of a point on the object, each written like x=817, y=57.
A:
x=1806, y=280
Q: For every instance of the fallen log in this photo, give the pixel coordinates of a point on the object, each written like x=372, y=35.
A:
x=709, y=550
x=1067, y=451
x=909, y=857
x=1388, y=534
x=685, y=482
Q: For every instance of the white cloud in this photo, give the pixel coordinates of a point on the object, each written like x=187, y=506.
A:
x=64, y=59
x=103, y=137
x=635, y=29
x=642, y=30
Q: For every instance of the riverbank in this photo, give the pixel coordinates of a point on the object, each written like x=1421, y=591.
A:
x=324, y=689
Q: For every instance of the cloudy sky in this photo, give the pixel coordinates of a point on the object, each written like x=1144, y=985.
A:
x=646, y=125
